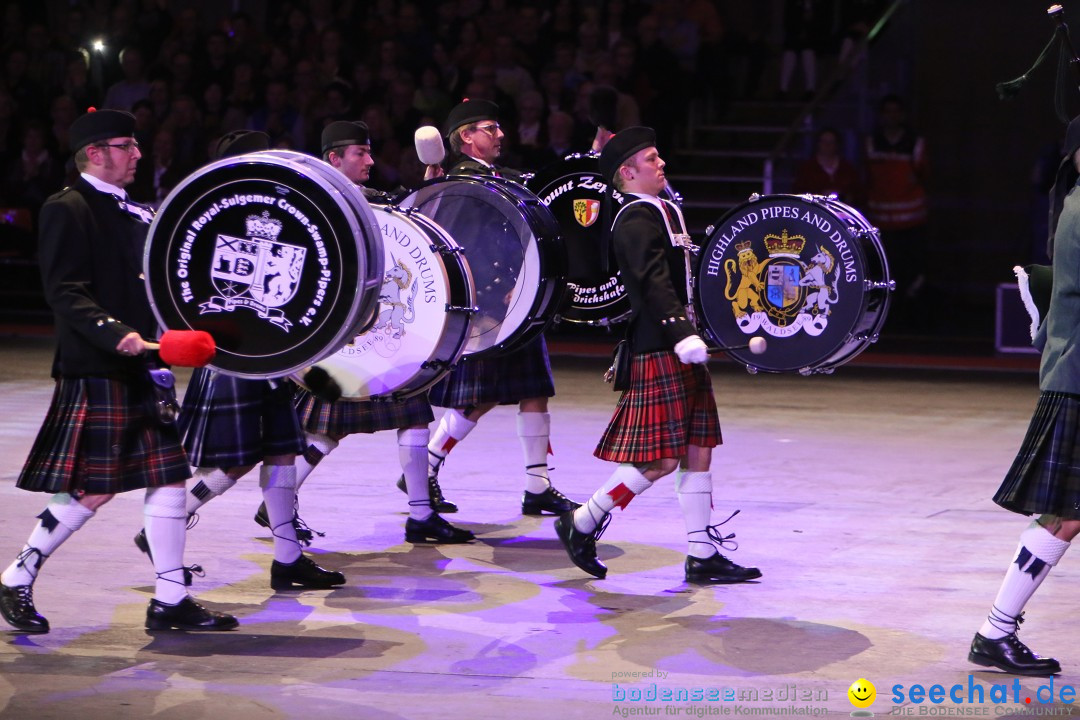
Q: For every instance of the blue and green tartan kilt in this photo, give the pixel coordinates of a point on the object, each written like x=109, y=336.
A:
x=668, y=407
x=345, y=417
x=1045, y=476
x=98, y=439
x=228, y=422
x=503, y=379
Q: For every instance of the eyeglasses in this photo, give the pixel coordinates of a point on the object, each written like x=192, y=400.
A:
x=126, y=147
x=491, y=130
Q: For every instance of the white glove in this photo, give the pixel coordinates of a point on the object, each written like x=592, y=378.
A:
x=692, y=350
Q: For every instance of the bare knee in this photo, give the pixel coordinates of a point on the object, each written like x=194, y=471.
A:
x=659, y=468
x=1059, y=527
x=93, y=502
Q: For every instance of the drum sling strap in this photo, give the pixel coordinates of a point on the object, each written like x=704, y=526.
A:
x=673, y=218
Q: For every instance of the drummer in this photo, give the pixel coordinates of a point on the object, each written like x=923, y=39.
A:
x=230, y=424
x=347, y=146
x=667, y=418
x=522, y=376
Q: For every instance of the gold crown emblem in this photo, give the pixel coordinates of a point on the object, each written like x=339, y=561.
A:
x=784, y=244
x=742, y=247
x=263, y=227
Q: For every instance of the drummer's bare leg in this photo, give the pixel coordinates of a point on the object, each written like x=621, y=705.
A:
x=534, y=432
x=424, y=524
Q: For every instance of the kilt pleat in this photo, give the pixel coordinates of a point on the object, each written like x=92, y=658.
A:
x=668, y=407
x=345, y=417
x=503, y=379
x=1045, y=476
x=228, y=422
x=97, y=438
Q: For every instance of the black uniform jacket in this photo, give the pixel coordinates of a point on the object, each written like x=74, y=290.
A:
x=466, y=165
x=654, y=274
x=91, y=253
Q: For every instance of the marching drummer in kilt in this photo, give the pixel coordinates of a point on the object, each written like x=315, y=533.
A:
x=231, y=424
x=521, y=376
x=667, y=417
x=1045, y=476
x=103, y=433
x=347, y=146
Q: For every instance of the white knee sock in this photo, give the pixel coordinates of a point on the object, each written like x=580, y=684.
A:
x=413, y=452
x=623, y=485
x=318, y=447
x=56, y=523
x=1039, y=551
x=165, y=520
x=534, y=431
x=694, y=490
x=453, y=427
x=206, y=484
x=278, y=483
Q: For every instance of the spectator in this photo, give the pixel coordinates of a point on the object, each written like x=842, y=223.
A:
x=123, y=94
x=827, y=171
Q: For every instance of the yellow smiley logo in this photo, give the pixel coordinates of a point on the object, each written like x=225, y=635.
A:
x=862, y=693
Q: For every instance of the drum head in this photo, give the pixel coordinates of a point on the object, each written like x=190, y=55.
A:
x=271, y=254
x=798, y=271
x=511, y=242
x=421, y=324
x=574, y=191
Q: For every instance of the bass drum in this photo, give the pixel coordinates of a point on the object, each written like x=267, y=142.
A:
x=512, y=244
x=574, y=191
x=807, y=271
x=275, y=254
x=424, y=315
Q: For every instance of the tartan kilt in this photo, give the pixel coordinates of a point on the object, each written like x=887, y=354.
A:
x=1045, y=476
x=668, y=407
x=97, y=438
x=502, y=379
x=345, y=417
x=228, y=422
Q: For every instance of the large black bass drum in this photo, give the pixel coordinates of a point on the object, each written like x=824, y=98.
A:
x=512, y=245
x=424, y=316
x=805, y=271
x=574, y=191
x=275, y=254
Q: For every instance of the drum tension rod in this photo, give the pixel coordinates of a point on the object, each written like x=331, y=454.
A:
x=462, y=309
x=435, y=365
x=889, y=285
x=446, y=250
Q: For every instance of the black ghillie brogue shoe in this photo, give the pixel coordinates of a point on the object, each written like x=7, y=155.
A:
x=304, y=573
x=550, y=501
x=438, y=502
x=581, y=547
x=186, y=615
x=17, y=607
x=435, y=530
x=717, y=570
x=1010, y=655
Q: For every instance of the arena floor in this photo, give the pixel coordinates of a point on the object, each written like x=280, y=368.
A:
x=864, y=498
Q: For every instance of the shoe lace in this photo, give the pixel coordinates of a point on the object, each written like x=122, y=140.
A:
x=434, y=490
x=192, y=520
x=24, y=597
x=1005, y=622
x=24, y=556
x=716, y=538
x=188, y=572
x=600, y=528
x=304, y=532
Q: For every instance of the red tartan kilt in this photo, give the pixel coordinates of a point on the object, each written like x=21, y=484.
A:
x=668, y=407
x=97, y=438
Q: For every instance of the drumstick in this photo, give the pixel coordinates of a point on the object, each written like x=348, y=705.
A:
x=186, y=348
x=756, y=345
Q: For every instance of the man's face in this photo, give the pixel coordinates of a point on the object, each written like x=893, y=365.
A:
x=354, y=162
x=644, y=172
x=483, y=141
x=114, y=160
